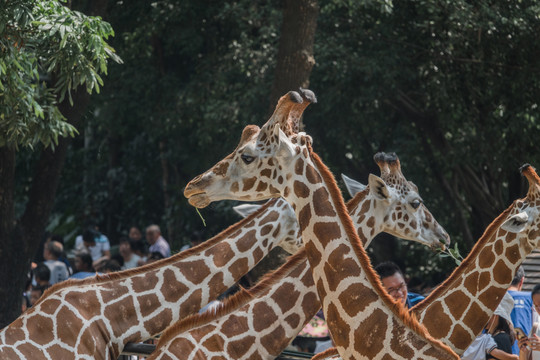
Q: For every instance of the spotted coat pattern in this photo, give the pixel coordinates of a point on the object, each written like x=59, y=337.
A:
x=95, y=318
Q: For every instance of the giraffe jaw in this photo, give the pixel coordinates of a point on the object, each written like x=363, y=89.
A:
x=200, y=200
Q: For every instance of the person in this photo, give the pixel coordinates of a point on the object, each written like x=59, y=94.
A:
x=522, y=314
x=130, y=259
x=52, y=251
x=529, y=346
x=25, y=304
x=42, y=275
x=109, y=266
x=394, y=282
x=156, y=241
x=314, y=337
x=94, y=243
x=501, y=328
x=138, y=246
x=83, y=266
x=496, y=340
x=36, y=293
x=135, y=234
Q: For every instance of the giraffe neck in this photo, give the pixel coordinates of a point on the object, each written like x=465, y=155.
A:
x=137, y=304
x=293, y=302
x=457, y=311
x=350, y=292
x=258, y=323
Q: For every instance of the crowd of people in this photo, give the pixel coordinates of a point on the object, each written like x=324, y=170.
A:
x=512, y=332
x=91, y=255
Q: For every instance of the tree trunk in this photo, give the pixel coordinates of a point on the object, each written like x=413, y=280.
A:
x=20, y=239
x=12, y=269
x=295, y=53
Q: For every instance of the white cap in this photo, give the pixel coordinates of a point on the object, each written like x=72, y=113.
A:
x=505, y=307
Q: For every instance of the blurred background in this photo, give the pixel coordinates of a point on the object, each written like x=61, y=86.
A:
x=451, y=86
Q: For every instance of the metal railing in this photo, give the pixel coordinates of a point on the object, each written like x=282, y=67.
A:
x=138, y=351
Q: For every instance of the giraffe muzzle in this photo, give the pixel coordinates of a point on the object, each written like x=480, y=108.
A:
x=199, y=200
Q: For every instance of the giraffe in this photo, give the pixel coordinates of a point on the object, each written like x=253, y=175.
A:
x=264, y=323
x=252, y=324
x=267, y=163
x=94, y=318
x=457, y=310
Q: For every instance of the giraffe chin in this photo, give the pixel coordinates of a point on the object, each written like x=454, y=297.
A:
x=439, y=246
x=199, y=200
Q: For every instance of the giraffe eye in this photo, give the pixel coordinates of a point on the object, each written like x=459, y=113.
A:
x=248, y=159
x=416, y=204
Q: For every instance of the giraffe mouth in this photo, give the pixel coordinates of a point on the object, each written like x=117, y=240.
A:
x=441, y=245
x=199, y=200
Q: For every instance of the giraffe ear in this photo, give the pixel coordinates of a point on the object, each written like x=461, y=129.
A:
x=353, y=186
x=378, y=187
x=516, y=223
x=246, y=209
x=285, y=148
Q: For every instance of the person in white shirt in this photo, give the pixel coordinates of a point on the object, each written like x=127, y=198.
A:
x=529, y=346
x=130, y=258
x=157, y=242
x=59, y=271
x=94, y=243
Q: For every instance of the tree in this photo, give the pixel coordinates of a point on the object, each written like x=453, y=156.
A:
x=451, y=86
x=52, y=58
x=295, y=58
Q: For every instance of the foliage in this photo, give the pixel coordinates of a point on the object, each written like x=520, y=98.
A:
x=47, y=51
x=193, y=73
x=451, y=86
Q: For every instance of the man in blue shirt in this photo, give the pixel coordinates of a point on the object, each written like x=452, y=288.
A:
x=522, y=314
x=394, y=282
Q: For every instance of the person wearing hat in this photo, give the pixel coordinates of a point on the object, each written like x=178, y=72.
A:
x=496, y=341
x=529, y=346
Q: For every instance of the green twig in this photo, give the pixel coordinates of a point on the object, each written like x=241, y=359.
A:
x=204, y=222
x=453, y=253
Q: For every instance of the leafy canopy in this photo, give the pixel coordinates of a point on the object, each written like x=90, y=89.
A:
x=47, y=50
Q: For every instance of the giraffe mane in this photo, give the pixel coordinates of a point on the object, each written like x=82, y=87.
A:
x=486, y=236
x=101, y=279
x=330, y=352
x=408, y=319
x=235, y=301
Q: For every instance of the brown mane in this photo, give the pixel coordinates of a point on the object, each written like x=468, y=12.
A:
x=408, y=319
x=488, y=234
x=120, y=275
x=331, y=352
x=357, y=199
x=235, y=301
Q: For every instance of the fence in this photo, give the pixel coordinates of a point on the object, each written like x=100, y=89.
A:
x=141, y=351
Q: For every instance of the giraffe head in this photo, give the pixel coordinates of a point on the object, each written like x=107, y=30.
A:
x=260, y=165
x=405, y=214
x=292, y=241
x=523, y=218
